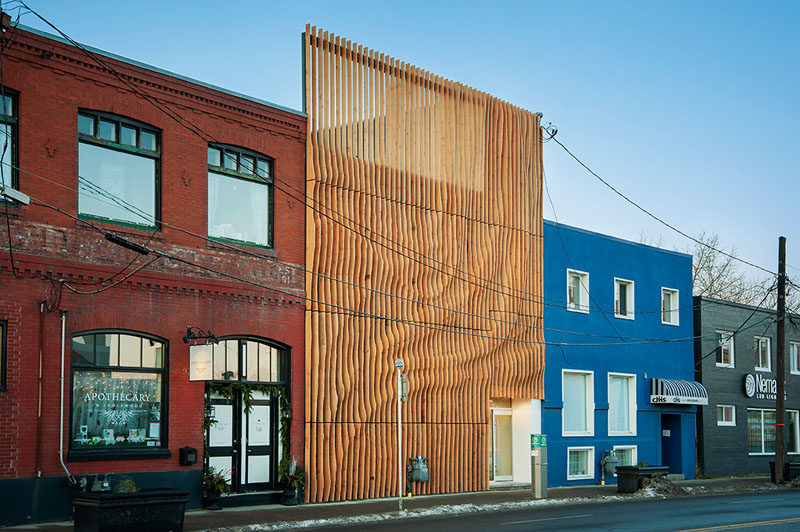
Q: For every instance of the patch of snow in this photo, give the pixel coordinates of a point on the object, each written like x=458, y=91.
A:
x=422, y=512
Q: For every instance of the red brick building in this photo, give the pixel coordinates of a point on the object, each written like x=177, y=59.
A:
x=210, y=183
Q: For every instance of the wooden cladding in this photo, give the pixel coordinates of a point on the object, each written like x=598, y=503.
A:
x=424, y=243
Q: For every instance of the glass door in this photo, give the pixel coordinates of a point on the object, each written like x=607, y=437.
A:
x=500, y=465
x=257, y=443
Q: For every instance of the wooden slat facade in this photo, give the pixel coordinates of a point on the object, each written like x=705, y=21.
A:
x=424, y=243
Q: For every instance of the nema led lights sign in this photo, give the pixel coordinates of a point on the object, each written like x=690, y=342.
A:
x=758, y=387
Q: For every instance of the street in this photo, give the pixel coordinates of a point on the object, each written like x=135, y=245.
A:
x=776, y=511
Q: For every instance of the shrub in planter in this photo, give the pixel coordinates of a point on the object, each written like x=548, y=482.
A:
x=215, y=483
x=292, y=477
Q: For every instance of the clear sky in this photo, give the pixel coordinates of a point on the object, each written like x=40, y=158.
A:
x=691, y=108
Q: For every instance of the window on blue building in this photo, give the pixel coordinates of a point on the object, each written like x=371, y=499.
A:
x=577, y=291
x=669, y=306
x=578, y=396
x=580, y=463
x=621, y=404
x=623, y=298
x=626, y=454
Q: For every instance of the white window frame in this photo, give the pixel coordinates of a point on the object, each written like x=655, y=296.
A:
x=730, y=341
x=632, y=407
x=583, y=298
x=796, y=431
x=763, y=440
x=618, y=283
x=723, y=423
x=674, y=311
x=759, y=339
x=589, y=403
x=794, y=358
x=634, y=454
x=590, y=472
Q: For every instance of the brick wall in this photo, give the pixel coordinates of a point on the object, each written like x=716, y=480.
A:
x=54, y=80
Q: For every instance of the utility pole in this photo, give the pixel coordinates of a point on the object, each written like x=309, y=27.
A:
x=399, y=365
x=780, y=413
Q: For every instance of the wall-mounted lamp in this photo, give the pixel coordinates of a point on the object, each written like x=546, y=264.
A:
x=200, y=334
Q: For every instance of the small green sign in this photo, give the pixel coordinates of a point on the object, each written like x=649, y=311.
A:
x=538, y=440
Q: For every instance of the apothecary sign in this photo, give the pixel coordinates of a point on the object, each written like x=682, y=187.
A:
x=759, y=387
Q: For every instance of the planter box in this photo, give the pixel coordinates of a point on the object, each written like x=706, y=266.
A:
x=293, y=496
x=791, y=471
x=629, y=478
x=156, y=510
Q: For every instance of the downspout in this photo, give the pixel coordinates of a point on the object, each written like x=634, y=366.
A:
x=42, y=308
x=70, y=478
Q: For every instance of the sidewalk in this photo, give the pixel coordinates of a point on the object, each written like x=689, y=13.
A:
x=282, y=517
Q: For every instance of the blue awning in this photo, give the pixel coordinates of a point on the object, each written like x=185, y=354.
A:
x=677, y=392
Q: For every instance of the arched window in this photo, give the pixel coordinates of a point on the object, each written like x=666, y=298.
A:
x=118, y=395
x=249, y=359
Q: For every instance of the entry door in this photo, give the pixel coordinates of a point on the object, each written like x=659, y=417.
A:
x=223, y=446
x=257, y=444
x=671, y=442
x=500, y=460
x=241, y=444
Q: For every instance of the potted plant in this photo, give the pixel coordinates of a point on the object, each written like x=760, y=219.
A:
x=215, y=483
x=291, y=476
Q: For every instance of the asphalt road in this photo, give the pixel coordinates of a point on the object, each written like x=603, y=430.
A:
x=770, y=511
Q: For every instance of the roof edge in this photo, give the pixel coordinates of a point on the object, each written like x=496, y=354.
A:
x=615, y=238
x=152, y=68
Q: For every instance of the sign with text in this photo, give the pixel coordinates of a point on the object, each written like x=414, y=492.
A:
x=759, y=387
x=200, y=363
x=538, y=440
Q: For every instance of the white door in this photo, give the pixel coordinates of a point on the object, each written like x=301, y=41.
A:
x=257, y=443
x=241, y=444
x=501, y=445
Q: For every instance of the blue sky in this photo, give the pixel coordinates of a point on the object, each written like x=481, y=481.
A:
x=690, y=108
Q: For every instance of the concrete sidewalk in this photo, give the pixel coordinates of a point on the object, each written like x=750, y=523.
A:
x=285, y=516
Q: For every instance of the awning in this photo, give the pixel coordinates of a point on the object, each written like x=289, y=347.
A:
x=676, y=392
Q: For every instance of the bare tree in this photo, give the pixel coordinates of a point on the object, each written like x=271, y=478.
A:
x=718, y=275
x=715, y=274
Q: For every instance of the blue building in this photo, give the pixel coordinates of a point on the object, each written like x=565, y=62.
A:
x=619, y=371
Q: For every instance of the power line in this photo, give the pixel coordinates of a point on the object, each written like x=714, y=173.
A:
x=272, y=259
x=566, y=254
x=355, y=312
x=110, y=199
x=206, y=137
x=653, y=216
x=756, y=309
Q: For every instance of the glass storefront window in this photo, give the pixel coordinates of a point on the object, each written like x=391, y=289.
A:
x=115, y=408
x=117, y=391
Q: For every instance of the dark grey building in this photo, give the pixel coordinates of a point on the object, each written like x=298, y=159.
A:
x=735, y=359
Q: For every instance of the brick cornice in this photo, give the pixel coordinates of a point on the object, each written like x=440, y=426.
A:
x=79, y=273
x=46, y=53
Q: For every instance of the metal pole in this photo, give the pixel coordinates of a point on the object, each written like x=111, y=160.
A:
x=780, y=414
x=399, y=365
